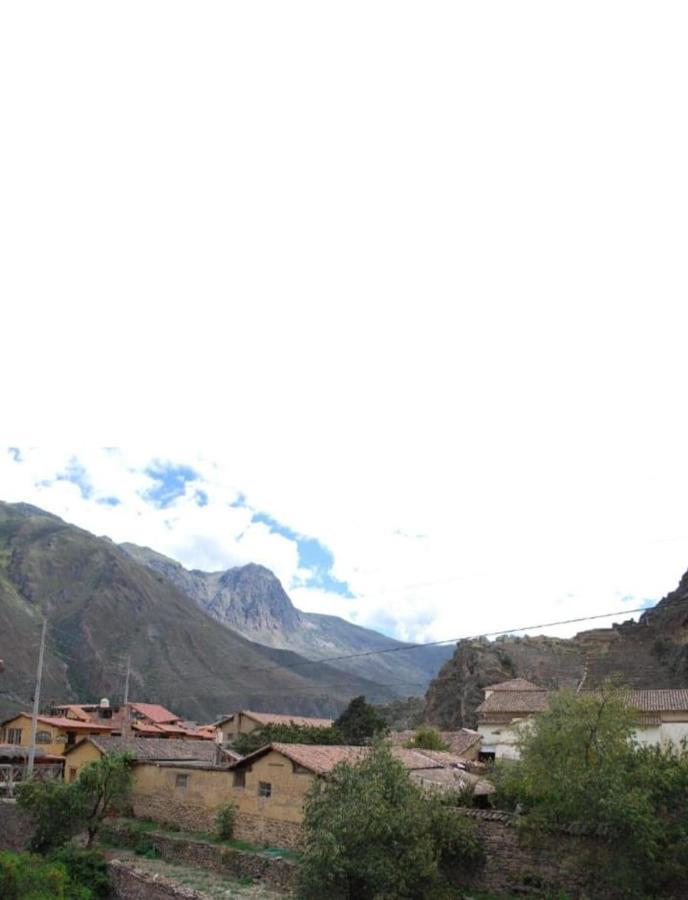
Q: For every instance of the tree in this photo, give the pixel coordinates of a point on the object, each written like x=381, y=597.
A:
x=580, y=768
x=58, y=811
x=428, y=738
x=104, y=787
x=370, y=832
x=360, y=722
x=286, y=734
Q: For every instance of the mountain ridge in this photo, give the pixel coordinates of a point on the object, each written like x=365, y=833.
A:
x=251, y=600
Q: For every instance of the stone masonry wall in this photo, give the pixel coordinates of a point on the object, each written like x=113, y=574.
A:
x=133, y=884
x=15, y=830
x=277, y=872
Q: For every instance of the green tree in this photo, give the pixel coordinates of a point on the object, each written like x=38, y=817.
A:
x=370, y=832
x=360, y=722
x=27, y=877
x=427, y=737
x=580, y=768
x=104, y=787
x=55, y=810
x=285, y=734
x=58, y=811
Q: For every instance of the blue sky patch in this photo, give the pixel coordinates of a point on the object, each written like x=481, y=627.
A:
x=109, y=501
x=15, y=453
x=77, y=474
x=313, y=556
x=201, y=498
x=170, y=482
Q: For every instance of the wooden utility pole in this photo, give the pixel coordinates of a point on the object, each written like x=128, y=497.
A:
x=36, y=703
x=125, y=723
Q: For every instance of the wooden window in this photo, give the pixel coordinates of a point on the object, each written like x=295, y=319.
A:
x=44, y=737
x=181, y=781
x=14, y=735
x=240, y=778
x=264, y=789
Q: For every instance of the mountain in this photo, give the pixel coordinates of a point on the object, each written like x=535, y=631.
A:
x=101, y=605
x=251, y=600
x=649, y=653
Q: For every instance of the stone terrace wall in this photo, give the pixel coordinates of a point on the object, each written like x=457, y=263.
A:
x=133, y=884
x=276, y=872
x=267, y=832
x=15, y=830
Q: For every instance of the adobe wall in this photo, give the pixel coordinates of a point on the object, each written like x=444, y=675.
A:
x=15, y=829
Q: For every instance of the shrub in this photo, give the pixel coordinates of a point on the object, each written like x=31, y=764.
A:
x=428, y=738
x=87, y=868
x=27, y=877
x=224, y=822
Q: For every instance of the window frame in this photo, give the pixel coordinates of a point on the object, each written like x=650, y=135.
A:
x=265, y=789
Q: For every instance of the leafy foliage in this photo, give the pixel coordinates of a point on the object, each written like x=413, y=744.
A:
x=360, y=722
x=58, y=810
x=286, y=734
x=427, y=737
x=87, y=868
x=372, y=833
x=580, y=768
x=27, y=877
x=224, y=821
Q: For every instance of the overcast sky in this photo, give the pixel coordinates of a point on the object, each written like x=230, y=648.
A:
x=389, y=297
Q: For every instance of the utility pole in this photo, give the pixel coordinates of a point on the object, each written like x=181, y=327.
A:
x=125, y=723
x=36, y=703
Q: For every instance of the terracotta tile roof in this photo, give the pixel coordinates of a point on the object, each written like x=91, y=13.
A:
x=671, y=700
x=145, y=749
x=516, y=684
x=321, y=759
x=516, y=702
x=76, y=710
x=155, y=712
x=459, y=741
x=285, y=719
x=71, y=724
x=529, y=702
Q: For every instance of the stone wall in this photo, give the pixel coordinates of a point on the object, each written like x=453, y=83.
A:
x=276, y=872
x=15, y=830
x=133, y=884
x=267, y=832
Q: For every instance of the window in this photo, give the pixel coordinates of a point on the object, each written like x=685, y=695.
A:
x=43, y=737
x=72, y=774
x=264, y=789
x=181, y=781
x=240, y=778
x=14, y=736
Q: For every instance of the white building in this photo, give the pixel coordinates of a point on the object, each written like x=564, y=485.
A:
x=511, y=705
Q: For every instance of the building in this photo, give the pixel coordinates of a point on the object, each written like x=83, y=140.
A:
x=506, y=707
x=144, y=719
x=269, y=787
x=228, y=727
x=54, y=734
x=662, y=715
x=142, y=749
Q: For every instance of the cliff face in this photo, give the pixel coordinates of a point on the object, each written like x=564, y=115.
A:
x=649, y=653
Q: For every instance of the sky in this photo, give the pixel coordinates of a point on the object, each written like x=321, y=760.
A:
x=388, y=297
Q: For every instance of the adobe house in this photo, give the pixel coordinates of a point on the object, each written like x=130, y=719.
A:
x=269, y=787
x=54, y=734
x=228, y=727
x=145, y=750
x=465, y=742
x=661, y=715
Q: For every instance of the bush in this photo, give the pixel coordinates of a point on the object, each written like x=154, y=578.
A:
x=27, y=877
x=224, y=822
x=428, y=738
x=87, y=868
x=370, y=832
